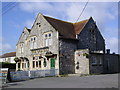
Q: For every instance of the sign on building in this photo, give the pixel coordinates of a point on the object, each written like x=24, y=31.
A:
x=3, y=75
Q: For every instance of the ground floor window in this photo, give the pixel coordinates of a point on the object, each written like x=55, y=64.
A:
x=33, y=64
x=40, y=64
x=94, y=61
x=45, y=63
x=36, y=63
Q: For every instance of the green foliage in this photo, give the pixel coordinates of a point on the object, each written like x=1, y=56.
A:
x=7, y=65
x=85, y=54
x=16, y=59
x=64, y=75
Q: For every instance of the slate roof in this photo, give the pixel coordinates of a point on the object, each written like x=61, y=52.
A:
x=11, y=54
x=79, y=26
x=66, y=29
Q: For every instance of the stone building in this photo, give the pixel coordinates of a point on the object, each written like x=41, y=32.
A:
x=52, y=43
x=96, y=62
x=8, y=57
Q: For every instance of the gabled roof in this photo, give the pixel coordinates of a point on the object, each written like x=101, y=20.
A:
x=79, y=26
x=22, y=39
x=11, y=54
x=64, y=28
x=67, y=29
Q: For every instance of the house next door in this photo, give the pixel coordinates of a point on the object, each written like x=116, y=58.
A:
x=52, y=63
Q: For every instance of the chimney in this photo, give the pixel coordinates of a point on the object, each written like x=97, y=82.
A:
x=108, y=51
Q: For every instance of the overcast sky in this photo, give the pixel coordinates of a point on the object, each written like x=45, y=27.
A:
x=24, y=13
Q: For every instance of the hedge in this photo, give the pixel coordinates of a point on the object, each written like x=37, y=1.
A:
x=7, y=65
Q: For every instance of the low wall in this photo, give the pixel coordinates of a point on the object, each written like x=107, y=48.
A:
x=25, y=75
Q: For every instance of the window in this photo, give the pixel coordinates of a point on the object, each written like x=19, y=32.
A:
x=100, y=61
x=45, y=63
x=45, y=35
x=25, y=65
x=33, y=64
x=33, y=43
x=34, y=38
x=22, y=65
x=49, y=34
x=21, y=48
x=94, y=61
x=36, y=63
x=40, y=64
x=31, y=39
x=33, y=58
x=47, y=39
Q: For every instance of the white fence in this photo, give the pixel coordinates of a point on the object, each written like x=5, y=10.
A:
x=25, y=75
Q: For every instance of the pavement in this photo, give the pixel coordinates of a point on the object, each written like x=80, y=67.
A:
x=93, y=81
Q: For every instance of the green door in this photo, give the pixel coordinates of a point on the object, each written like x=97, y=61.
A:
x=52, y=63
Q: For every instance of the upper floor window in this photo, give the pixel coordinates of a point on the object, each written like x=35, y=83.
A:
x=33, y=42
x=47, y=39
x=21, y=48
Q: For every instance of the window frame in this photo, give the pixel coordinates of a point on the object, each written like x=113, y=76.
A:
x=47, y=39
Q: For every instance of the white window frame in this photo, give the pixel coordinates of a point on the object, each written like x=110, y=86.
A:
x=101, y=61
x=47, y=39
x=33, y=43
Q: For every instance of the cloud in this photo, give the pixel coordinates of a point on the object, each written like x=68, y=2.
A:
x=5, y=47
x=99, y=11
x=102, y=13
x=112, y=43
x=29, y=23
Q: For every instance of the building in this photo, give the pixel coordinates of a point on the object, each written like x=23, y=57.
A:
x=96, y=62
x=8, y=57
x=53, y=44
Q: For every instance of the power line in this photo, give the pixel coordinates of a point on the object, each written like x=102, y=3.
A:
x=9, y=4
x=82, y=11
x=5, y=8
x=5, y=11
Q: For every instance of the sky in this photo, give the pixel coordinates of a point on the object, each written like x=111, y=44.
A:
x=23, y=14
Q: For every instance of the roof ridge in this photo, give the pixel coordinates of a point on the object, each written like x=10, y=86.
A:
x=58, y=19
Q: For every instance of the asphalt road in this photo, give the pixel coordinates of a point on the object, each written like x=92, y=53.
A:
x=94, y=81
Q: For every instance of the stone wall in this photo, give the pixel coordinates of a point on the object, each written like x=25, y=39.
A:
x=108, y=64
x=82, y=62
x=66, y=50
x=91, y=38
x=96, y=63
x=38, y=32
x=111, y=63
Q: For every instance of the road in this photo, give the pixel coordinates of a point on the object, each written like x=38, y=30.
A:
x=93, y=81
